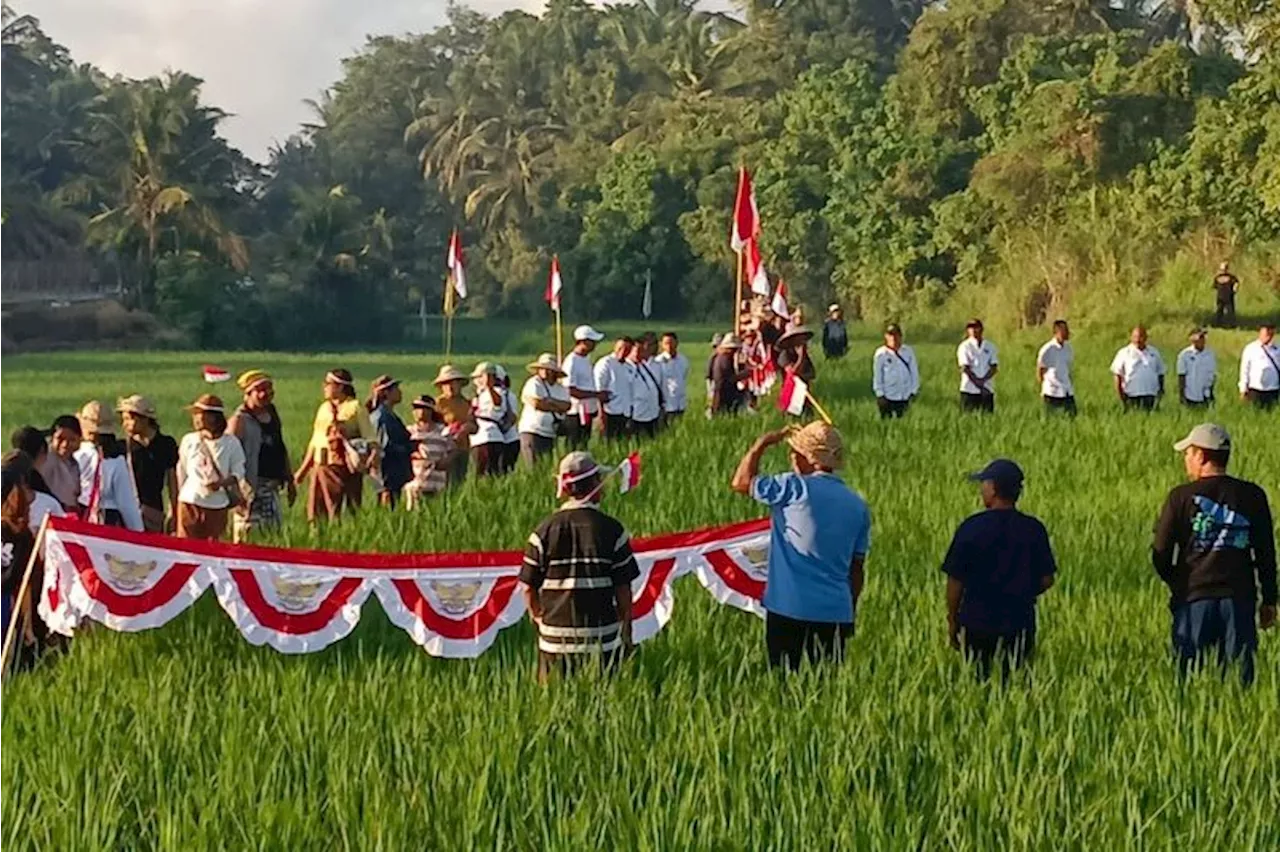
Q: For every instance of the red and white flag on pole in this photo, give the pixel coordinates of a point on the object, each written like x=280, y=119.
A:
x=756, y=273
x=746, y=218
x=213, y=374
x=457, y=265
x=629, y=473
x=794, y=393
x=779, y=303
x=554, y=284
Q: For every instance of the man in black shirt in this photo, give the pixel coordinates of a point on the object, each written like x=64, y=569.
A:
x=577, y=571
x=1215, y=549
x=835, y=337
x=153, y=461
x=1225, y=286
x=726, y=397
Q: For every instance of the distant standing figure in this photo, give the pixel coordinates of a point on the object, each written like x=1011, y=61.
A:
x=979, y=362
x=895, y=374
x=1197, y=369
x=511, y=434
x=1139, y=372
x=394, y=446
x=1260, y=369
x=674, y=367
x=433, y=452
x=1225, y=287
x=793, y=354
x=343, y=447
x=835, y=336
x=820, y=535
x=210, y=471
x=60, y=470
x=647, y=397
x=153, y=462
x=615, y=376
x=454, y=411
x=256, y=423
x=726, y=377
x=546, y=402
x=1053, y=371
x=491, y=412
x=106, y=485
x=584, y=397
x=1215, y=549
x=999, y=562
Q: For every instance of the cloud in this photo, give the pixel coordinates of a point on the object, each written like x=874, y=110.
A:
x=260, y=59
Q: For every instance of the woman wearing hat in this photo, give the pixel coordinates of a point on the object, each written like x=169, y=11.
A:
x=793, y=353
x=455, y=412
x=546, y=402
x=393, y=438
x=434, y=450
x=106, y=483
x=491, y=413
x=153, y=460
x=211, y=473
x=342, y=448
x=727, y=396
x=256, y=424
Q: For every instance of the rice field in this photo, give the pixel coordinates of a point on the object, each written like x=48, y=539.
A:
x=188, y=738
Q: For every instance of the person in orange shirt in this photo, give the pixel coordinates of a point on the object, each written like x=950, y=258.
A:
x=343, y=447
x=455, y=412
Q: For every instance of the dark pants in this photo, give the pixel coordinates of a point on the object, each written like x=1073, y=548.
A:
x=1266, y=400
x=1060, y=405
x=645, y=430
x=487, y=459
x=533, y=447
x=1221, y=627
x=1226, y=313
x=1011, y=650
x=577, y=433
x=616, y=427
x=1198, y=406
x=892, y=408
x=984, y=402
x=789, y=640
x=510, y=455
x=1140, y=403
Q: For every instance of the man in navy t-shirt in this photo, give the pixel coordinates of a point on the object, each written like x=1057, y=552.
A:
x=999, y=562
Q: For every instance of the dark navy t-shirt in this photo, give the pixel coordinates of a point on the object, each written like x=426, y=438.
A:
x=1001, y=556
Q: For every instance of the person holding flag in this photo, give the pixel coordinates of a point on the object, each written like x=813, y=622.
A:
x=793, y=356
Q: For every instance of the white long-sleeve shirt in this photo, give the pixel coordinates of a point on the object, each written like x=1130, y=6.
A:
x=1200, y=368
x=675, y=380
x=646, y=401
x=980, y=358
x=1056, y=359
x=896, y=377
x=616, y=377
x=1257, y=370
x=116, y=489
x=1140, y=370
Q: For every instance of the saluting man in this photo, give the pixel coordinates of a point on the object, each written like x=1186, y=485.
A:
x=1260, y=369
x=895, y=374
x=978, y=367
x=1139, y=372
x=1053, y=371
x=1197, y=369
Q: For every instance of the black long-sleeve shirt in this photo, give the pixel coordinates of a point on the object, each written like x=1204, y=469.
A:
x=1213, y=536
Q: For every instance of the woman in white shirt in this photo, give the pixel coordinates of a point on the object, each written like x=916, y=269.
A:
x=493, y=416
x=211, y=477
x=107, y=495
x=511, y=434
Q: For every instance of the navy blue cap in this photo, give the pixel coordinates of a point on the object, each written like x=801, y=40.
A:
x=1000, y=471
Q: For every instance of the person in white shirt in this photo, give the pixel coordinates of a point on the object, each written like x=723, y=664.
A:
x=674, y=375
x=614, y=376
x=31, y=441
x=979, y=363
x=1053, y=371
x=1197, y=369
x=646, y=392
x=895, y=374
x=546, y=402
x=211, y=468
x=1260, y=369
x=511, y=434
x=1139, y=372
x=580, y=382
x=106, y=485
x=493, y=416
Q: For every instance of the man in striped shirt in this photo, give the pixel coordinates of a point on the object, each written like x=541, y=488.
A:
x=577, y=572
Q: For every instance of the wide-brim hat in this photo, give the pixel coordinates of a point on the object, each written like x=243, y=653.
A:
x=424, y=401
x=820, y=443
x=138, y=405
x=795, y=336
x=729, y=341
x=449, y=374
x=484, y=368
x=96, y=417
x=208, y=402
x=384, y=382
x=545, y=361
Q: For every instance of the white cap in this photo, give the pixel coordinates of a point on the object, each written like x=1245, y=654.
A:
x=586, y=332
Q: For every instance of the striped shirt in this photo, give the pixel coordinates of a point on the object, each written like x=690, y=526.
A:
x=430, y=458
x=574, y=560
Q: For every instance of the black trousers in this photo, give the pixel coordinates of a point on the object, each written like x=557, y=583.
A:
x=1140, y=403
x=1225, y=315
x=489, y=459
x=576, y=432
x=645, y=430
x=616, y=427
x=984, y=402
x=892, y=408
x=1060, y=405
x=1202, y=404
x=1010, y=651
x=1266, y=400
x=790, y=640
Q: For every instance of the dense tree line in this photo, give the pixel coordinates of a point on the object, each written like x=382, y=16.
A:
x=902, y=150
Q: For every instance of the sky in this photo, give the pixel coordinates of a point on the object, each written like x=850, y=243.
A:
x=260, y=59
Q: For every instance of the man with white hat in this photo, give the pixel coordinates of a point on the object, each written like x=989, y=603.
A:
x=1215, y=549
x=727, y=395
x=1197, y=369
x=615, y=375
x=1139, y=372
x=577, y=574
x=835, y=337
x=1260, y=368
x=580, y=381
x=546, y=402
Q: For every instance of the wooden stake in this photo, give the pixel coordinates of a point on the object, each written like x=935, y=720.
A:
x=737, y=296
x=559, y=340
x=23, y=588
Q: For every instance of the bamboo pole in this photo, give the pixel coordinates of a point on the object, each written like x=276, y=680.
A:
x=817, y=406
x=23, y=588
x=737, y=297
x=559, y=339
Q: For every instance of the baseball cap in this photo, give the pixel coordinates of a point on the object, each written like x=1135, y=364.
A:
x=586, y=332
x=578, y=464
x=1206, y=436
x=1001, y=472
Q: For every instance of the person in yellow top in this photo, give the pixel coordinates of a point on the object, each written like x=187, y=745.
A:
x=343, y=447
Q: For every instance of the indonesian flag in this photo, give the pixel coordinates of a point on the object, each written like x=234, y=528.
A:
x=554, y=284
x=213, y=375
x=779, y=303
x=629, y=473
x=456, y=265
x=793, y=395
x=746, y=218
x=756, y=273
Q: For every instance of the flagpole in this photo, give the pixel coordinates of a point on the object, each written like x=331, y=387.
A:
x=16, y=615
x=737, y=299
x=559, y=338
x=822, y=412
x=447, y=319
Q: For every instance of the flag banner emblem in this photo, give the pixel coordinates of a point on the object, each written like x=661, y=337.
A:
x=299, y=601
x=554, y=284
x=213, y=374
x=779, y=303
x=794, y=394
x=629, y=473
x=746, y=216
x=756, y=273
x=456, y=265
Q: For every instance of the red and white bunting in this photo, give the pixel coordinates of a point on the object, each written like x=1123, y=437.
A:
x=554, y=284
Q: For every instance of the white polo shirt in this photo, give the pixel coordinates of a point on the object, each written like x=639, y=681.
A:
x=646, y=403
x=1056, y=359
x=532, y=420
x=896, y=377
x=1257, y=371
x=578, y=374
x=1201, y=371
x=615, y=377
x=979, y=358
x=1139, y=370
x=675, y=379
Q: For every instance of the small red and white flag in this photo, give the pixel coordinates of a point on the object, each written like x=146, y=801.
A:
x=756, y=273
x=746, y=217
x=554, y=284
x=629, y=473
x=213, y=375
x=779, y=303
x=794, y=394
x=457, y=265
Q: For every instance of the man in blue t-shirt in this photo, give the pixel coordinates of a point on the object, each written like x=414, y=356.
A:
x=818, y=542
x=999, y=562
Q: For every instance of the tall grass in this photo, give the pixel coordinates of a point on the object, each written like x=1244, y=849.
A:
x=188, y=738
